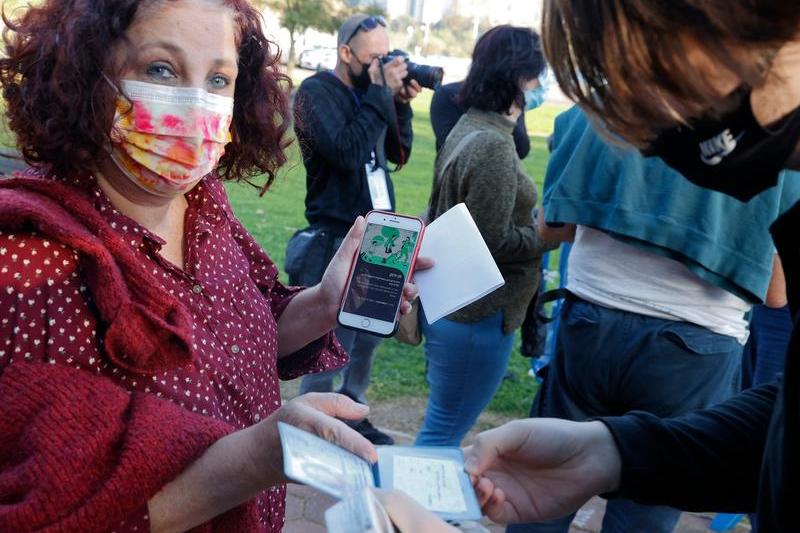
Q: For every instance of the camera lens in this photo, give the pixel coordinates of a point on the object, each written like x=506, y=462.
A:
x=426, y=75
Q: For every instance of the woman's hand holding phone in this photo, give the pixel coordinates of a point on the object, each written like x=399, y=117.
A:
x=334, y=281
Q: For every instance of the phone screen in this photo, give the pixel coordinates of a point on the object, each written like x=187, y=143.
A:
x=380, y=272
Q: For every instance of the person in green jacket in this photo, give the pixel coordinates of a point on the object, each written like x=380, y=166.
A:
x=468, y=351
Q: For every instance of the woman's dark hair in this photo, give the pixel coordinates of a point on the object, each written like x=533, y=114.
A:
x=625, y=61
x=61, y=106
x=504, y=58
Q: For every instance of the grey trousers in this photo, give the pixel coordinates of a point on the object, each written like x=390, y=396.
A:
x=359, y=345
x=355, y=376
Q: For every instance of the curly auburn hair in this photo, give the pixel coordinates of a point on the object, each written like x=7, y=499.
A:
x=61, y=109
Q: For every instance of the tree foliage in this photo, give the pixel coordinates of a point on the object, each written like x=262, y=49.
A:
x=297, y=16
x=454, y=35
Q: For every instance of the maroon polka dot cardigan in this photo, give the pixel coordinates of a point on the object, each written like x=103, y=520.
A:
x=117, y=369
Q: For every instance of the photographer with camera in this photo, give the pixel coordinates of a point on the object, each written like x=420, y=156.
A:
x=350, y=123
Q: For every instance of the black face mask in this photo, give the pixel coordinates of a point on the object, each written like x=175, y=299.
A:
x=359, y=81
x=732, y=154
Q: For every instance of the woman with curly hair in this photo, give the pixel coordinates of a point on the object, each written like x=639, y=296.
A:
x=143, y=330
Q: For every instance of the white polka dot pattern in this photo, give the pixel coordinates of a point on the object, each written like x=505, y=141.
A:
x=228, y=284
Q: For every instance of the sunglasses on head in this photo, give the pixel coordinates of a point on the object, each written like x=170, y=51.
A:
x=368, y=24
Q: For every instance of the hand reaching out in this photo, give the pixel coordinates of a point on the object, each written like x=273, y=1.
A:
x=540, y=469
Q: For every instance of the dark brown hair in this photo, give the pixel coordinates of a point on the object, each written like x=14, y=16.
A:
x=625, y=61
x=503, y=59
x=61, y=107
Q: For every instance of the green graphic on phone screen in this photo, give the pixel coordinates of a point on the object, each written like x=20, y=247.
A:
x=380, y=272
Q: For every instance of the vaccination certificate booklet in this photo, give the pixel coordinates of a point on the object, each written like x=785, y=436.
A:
x=434, y=477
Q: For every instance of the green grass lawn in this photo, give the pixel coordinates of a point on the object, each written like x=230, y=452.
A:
x=399, y=369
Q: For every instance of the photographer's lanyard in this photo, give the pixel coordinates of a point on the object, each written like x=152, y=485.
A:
x=376, y=175
x=378, y=186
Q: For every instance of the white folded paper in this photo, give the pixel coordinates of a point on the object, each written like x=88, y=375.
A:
x=464, y=270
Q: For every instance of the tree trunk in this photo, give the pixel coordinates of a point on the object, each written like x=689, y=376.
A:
x=291, y=60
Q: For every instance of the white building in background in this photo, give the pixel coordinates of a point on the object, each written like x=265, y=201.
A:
x=392, y=8
x=428, y=11
x=517, y=12
x=423, y=11
x=396, y=8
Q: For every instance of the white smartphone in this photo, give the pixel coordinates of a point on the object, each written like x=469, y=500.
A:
x=382, y=265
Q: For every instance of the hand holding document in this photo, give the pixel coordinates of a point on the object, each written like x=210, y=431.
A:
x=433, y=477
x=464, y=270
x=360, y=512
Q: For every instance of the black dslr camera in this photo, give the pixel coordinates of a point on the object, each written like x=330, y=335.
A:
x=426, y=75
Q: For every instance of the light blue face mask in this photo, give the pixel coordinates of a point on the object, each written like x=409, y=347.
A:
x=534, y=97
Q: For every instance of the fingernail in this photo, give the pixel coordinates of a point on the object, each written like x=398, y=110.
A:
x=369, y=456
x=471, y=465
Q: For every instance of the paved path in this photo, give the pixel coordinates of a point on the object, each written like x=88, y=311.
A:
x=305, y=510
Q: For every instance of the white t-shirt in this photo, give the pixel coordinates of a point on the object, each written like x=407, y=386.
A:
x=608, y=272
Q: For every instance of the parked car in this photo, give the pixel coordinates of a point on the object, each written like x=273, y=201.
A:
x=317, y=59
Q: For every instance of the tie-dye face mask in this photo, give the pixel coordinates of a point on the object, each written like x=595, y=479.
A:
x=178, y=134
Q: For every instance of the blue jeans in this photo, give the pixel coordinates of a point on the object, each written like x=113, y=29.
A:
x=765, y=351
x=466, y=364
x=608, y=362
x=622, y=516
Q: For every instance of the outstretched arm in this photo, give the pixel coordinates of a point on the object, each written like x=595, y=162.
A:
x=539, y=469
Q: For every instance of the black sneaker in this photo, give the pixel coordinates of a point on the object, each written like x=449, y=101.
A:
x=373, y=434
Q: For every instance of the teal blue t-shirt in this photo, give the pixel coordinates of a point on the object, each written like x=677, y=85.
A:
x=644, y=202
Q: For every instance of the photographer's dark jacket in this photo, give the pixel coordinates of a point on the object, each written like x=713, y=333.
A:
x=338, y=129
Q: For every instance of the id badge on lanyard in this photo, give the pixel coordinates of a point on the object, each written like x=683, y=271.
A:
x=378, y=186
